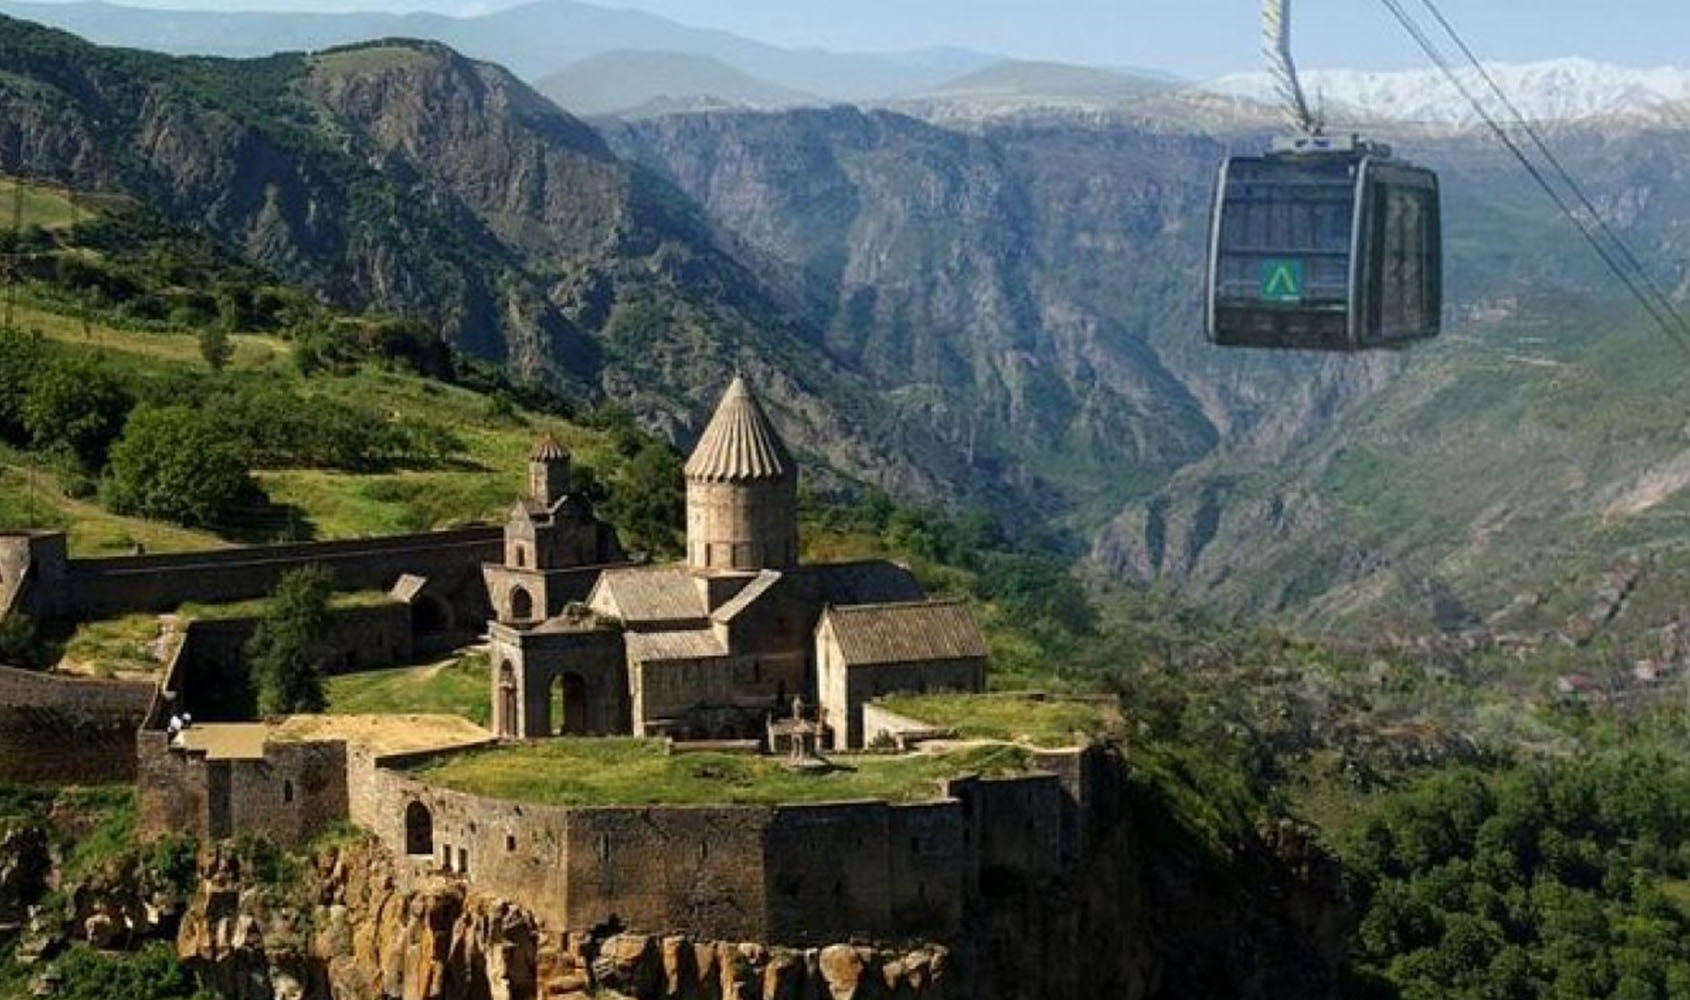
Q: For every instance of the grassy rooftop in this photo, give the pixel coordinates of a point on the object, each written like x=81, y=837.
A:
x=1040, y=720
x=625, y=771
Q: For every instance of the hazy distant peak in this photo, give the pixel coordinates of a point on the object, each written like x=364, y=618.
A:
x=653, y=81
x=1551, y=90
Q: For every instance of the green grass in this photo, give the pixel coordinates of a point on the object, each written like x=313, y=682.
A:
x=457, y=688
x=623, y=771
x=47, y=207
x=1029, y=718
x=104, y=648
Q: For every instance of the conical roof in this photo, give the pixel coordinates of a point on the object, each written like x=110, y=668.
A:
x=740, y=444
x=547, y=450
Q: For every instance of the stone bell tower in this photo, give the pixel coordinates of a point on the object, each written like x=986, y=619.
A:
x=742, y=491
x=548, y=471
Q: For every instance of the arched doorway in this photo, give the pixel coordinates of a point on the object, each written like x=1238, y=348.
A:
x=567, y=706
x=419, y=831
x=508, y=695
x=522, y=605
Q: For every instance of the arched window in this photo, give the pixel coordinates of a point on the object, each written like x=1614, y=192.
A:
x=521, y=557
x=419, y=831
x=287, y=792
x=522, y=605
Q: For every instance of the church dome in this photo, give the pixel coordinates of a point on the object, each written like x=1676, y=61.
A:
x=740, y=445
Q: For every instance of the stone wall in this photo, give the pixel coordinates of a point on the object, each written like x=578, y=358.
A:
x=106, y=587
x=845, y=689
x=60, y=730
x=291, y=794
x=792, y=875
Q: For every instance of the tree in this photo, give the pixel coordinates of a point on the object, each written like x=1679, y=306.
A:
x=215, y=346
x=20, y=360
x=285, y=651
x=75, y=404
x=173, y=463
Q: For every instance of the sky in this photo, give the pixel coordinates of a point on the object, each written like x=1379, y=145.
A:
x=1194, y=38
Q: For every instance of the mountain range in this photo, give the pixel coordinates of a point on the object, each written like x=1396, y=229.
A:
x=531, y=40
x=1001, y=310
x=1553, y=90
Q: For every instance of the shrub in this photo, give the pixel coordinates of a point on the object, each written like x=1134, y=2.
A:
x=172, y=463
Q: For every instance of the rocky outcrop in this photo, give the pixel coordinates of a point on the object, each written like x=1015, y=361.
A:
x=361, y=926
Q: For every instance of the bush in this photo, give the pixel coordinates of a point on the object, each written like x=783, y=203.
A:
x=20, y=643
x=172, y=463
x=216, y=348
x=284, y=652
x=75, y=405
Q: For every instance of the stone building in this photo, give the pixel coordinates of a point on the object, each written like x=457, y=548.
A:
x=554, y=544
x=866, y=651
x=708, y=648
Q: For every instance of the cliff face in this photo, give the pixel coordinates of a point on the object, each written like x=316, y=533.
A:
x=402, y=176
x=1140, y=916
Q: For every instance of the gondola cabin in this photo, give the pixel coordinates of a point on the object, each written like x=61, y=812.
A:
x=1325, y=245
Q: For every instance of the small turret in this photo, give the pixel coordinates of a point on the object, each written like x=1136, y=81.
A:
x=548, y=471
x=742, y=491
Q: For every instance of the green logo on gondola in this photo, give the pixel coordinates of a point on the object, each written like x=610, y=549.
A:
x=1282, y=281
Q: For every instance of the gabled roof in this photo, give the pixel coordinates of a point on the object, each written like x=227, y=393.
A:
x=691, y=644
x=650, y=594
x=751, y=594
x=913, y=632
x=739, y=444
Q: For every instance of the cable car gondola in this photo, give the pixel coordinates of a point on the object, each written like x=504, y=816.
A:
x=1322, y=243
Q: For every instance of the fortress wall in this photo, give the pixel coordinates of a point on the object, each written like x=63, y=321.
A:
x=61, y=730
x=173, y=789
x=110, y=586
x=656, y=869
x=512, y=849
x=296, y=792
x=826, y=872
x=1015, y=828
x=928, y=868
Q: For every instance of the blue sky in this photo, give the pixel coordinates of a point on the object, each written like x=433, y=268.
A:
x=1204, y=37
x=1192, y=37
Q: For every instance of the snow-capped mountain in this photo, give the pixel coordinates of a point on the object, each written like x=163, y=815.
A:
x=1556, y=90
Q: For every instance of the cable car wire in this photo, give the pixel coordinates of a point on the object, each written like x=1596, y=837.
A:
x=1436, y=55
x=1531, y=130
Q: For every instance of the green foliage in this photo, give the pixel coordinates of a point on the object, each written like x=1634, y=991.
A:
x=173, y=463
x=285, y=651
x=76, y=404
x=215, y=347
x=1545, y=880
x=647, y=500
x=20, y=642
x=275, y=425
x=153, y=973
x=20, y=359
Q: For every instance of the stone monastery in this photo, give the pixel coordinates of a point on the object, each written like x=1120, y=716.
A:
x=742, y=648
x=706, y=648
